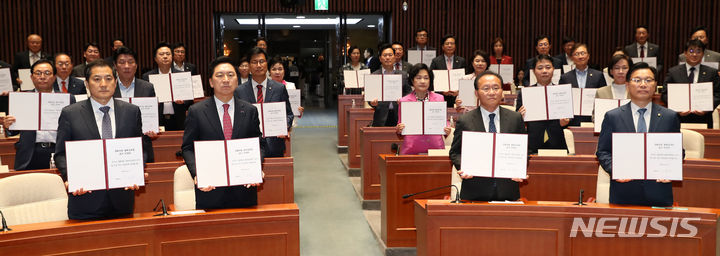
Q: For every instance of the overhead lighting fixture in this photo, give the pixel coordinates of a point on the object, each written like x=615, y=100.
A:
x=296, y=26
x=286, y=21
x=371, y=26
x=300, y=17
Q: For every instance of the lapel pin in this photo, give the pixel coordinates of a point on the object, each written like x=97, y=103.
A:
x=704, y=73
x=658, y=114
x=590, y=74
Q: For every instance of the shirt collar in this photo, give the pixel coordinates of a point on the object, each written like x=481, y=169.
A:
x=644, y=45
x=255, y=83
x=132, y=84
x=581, y=72
x=96, y=105
x=219, y=103
x=635, y=108
x=485, y=112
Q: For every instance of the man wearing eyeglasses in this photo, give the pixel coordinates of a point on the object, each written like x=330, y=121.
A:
x=64, y=82
x=91, y=52
x=701, y=33
x=693, y=71
x=421, y=39
x=582, y=76
x=640, y=115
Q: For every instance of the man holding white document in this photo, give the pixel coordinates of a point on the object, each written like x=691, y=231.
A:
x=99, y=117
x=222, y=117
x=386, y=112
x=641, y=116
x=489, y=117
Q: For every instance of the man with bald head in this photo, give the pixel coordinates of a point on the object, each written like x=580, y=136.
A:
x=63, y=81
x=26, y=59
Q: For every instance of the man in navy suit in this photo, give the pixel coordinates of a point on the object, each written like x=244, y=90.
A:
x=261, y=89
x=386, y=112
x=64, y=82
x=582, y=76
x=172, y=114
x=208, y=120
x=99, y=117
x=640, y=115
x=542, y=46
x=179, y=61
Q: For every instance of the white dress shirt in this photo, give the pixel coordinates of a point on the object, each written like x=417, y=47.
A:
x=221, y=110
x=634, y=108
x=645, y=50
x=696, y=72
x=486, y=118
x=99, y=115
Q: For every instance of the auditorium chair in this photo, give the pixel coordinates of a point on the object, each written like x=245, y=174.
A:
x=32, y=198
x=456, y=180
x=693, y=143
x=716, y=119
x=569, y=141
x=183, y=189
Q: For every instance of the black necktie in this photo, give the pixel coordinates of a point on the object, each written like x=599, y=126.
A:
x=491, y=125
x=691, y=77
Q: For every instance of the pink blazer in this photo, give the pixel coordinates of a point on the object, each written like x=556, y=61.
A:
x=416, y=144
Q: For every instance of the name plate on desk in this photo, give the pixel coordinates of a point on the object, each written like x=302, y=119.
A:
x=647, y=156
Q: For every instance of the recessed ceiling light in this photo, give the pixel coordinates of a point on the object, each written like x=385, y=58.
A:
x=296, y=26
x=284, y=21
x=300, y=17
x=371, y=26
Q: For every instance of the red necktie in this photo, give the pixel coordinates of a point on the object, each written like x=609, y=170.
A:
x=64, y=88
x=397, y=66
x=227, y=123
x=259, y=94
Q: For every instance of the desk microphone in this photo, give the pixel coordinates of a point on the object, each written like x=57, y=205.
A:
x=4, y=223
x=164, y=210
x=457, y=195
x=396, y=148
x=580, y=200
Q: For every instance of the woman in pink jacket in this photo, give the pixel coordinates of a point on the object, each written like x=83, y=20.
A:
x=421, y=79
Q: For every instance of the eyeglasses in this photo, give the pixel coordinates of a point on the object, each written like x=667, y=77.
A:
x=580, y=53
x=220, y=75
x=63, y=64
x=695, y=52
x=422, y=35
x=638, y=80
x=41, y=73
x=258, y=62
x=543, y=44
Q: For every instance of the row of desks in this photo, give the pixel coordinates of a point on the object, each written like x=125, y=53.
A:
x=586, y=141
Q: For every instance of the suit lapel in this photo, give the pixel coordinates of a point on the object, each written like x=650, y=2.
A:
x=120, y=119
x=479, y=116
x=90, y=119
x=627, y=117
x=504, y=119
x=211, y=113
x=239, y=116
x=252, y=98
x=704, y=77
x=655, y=117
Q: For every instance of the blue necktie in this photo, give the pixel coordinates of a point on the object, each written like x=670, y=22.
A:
x=641, y=121
x=491, y=125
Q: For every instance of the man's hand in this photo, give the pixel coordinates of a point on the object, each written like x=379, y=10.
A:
x=7, y=121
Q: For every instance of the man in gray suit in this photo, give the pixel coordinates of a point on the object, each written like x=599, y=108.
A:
x=489, y=117
x=701, y=33
x=400, y=64
x=641, y=48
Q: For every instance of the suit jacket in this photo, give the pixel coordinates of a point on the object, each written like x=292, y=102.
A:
x=22, y=59
x=530, y=64
x=417, y=47
x=483, y=188
x=562, y=57
x=440, y=64
x=275, y=92
x=595, y=79
x=710, y=56
x=606, y=92
x=176, y=120
x=143, y=89
x=536, y=133
x=77, y=122
x=679, y=74
x=406, y=66
x=505, y=60
x=383, y=115
x=636, y=192
x=189, y=67
x=79, y=70
x=203, y=124
x=75, y=86
x=374, y=63
x=653, y=50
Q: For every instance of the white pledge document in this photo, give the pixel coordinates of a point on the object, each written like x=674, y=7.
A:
x=505, y=71
x=273, y=119
x=602, y=106
x=423, y=118
x=647, y=156
x=495, y=155
x=466, y=93
x=651, y=61
x=80, y=97
x=421, y=56
x=148, y=111
x=383, y=87
x=161, y=83
x=182, y=86
x=27, y=83
x=547, y=102
x=355, y=78
x=198, y=91
x=5, y=80
x=583, y=101
x=221, y=163
x=685, y=97
x=294, y=96
x=104, y=164
x=36, y=111
x=555, y=77
x=447, y=80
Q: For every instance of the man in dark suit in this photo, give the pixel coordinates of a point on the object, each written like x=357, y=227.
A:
x=542, y=46
x=91, y=52
x=64, y=82
x=34, y=148
x=172, y=114
x=447, y=61
x=116, y=43
x=261, y=89
x=179, y=61
x=204, y=122
x=582, y=76
x=701, y=33
x=26, y=59
x=99, y=117
x=694, y=72
x=640, y=115
x=543, y=134
x=386, y=112
x=489, y=117
x=421, y=40
x=129, y=86
x=641, y=48
x=566, y=56
x=400, y=64
x=373, y=62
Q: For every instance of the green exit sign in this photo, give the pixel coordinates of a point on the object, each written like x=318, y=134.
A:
x=321, y=5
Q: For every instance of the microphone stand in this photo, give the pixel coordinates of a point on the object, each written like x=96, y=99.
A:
x=580, y=200
x=457, y=193
x=164, y=210
x=5, y=227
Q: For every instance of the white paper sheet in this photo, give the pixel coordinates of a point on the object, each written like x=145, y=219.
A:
x=568, y=68
x=664, y=156
x=506, y=71
x=583, y=101
x=149, y=113
x=509, y=159
x=435, y=117
x=511, y=155
x=392, y=87
x=533, y=99
x=198, y=91
x=51, y=104
x=466, y=93
x=25, y=107
x=421, y=56
x=447, y=80
x=80, y=97
x=627, y=156
x=161, y=83
x=555, y=79
x=27, y=83
x=560, y=102
x=373, y=87
x=477, y=153
x=210, y=163
x=244, y=162
x=684, y=97
x=411, y=115
x=273, y=119
x=651, y=61
x=602, y=106
x=294, y=96
x=182, y=86
x=85, y=165
x=125, y=166
x=5, y=80
x=355, y=78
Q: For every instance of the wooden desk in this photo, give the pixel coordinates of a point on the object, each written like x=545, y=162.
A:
x=560, y=178
x=374, y=141
x=585, y=140
x=712, y=142
x=400, y=175
x=544, y=228
x=344, y=103
x=357, y=118
x=262, y=230
x=167, y=145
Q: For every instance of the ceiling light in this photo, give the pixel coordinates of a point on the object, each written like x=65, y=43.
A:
x=371, y=26
x=296, y=26
x=300, y=17
x=284, y=21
